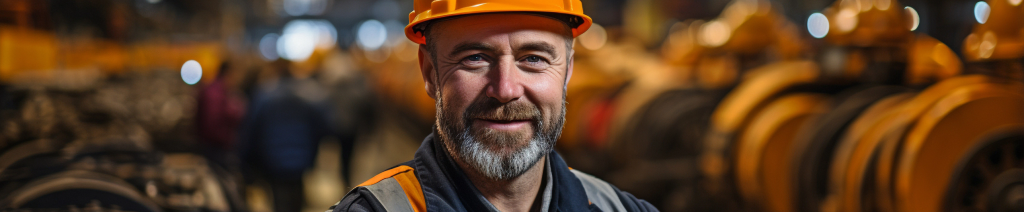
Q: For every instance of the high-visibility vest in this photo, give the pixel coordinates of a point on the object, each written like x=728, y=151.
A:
x=398, y=190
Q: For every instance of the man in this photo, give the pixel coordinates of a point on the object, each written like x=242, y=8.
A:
x=497, y=70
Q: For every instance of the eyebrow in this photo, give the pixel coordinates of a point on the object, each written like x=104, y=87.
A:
x=538, y=46
x=462, y=47
x=532, y=46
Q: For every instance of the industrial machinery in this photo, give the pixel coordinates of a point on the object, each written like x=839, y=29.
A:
x=884, y=120
x=88, y=148
x=639, y=128
x=741, y=112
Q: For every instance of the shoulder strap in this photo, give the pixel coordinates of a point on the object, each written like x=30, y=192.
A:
x=397, y=189
x=600, y=192
x=391, y=195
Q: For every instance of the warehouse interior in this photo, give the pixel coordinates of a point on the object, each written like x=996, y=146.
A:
x=692, y=105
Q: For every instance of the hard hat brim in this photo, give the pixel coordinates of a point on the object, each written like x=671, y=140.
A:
x=417, y=36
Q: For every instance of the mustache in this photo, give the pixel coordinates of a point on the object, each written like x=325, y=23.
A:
x=491, y=109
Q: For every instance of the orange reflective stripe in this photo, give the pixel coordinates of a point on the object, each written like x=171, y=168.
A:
x=406, y=177
x=411, y=185
x=386, y=174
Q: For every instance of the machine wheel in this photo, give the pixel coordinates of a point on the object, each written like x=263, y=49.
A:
x=78, y=188
x=991, y=178
x=871, y=155
x=820, y=139
x=848, y=147
x=666, y=132
x=764, y=150
x=732, y=115
x=945, y=133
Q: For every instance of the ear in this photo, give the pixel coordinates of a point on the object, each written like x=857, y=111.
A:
x=427, y=71
x=568, y=72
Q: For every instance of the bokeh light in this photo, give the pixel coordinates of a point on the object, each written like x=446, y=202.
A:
x=594, y=38
x=298, y=40
x=846, y=20
x=817, y=25
x=371, y=34
x=268, y=46
x=395, y=31
x=883, y=4
x=301, y=37
x=988, y=45
x=327, y=34
x=915, y=19
x=715, y=33
x=191, y=72
x=981, y=12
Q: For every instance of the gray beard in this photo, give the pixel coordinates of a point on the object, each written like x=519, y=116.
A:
x=485, y=155
x=498, y=165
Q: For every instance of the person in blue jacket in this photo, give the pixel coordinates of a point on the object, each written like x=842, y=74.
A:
x=498, y=71
x=279, y=138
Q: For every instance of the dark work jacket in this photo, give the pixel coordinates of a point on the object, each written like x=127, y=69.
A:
x=446, y=188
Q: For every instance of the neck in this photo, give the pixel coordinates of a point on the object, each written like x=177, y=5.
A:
x=516, y=194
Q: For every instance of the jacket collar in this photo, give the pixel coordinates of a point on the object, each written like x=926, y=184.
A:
x=446, y=187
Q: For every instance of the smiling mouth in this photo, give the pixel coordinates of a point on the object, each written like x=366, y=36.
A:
x=506, y=125
x=504, y=121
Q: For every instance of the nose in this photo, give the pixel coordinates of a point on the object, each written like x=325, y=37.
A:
x=505, y=83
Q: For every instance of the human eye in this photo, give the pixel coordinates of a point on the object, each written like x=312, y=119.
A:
x=534, y=62
x=534, y=59
x=474, y=61
x=475, y=57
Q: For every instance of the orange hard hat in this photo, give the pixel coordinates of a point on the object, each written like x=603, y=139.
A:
x=426, y=10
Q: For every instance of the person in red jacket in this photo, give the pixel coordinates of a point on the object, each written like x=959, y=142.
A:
x=218, y=116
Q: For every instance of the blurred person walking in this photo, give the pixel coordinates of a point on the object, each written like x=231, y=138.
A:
x=281, y=132
x=498, y=71
x=218, y=115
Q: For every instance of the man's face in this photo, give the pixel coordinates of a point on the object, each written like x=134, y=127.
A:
x=499, y=81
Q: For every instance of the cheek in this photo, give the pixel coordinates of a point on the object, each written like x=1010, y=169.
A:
x=460, y=89
x=547, y=92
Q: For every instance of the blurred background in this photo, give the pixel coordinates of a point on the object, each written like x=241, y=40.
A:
x=693, y=105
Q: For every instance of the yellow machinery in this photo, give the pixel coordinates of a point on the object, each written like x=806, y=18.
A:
x=807, y=136
x=33, y=56
x=922, y=153
x=753, y=127
x=658, y=116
